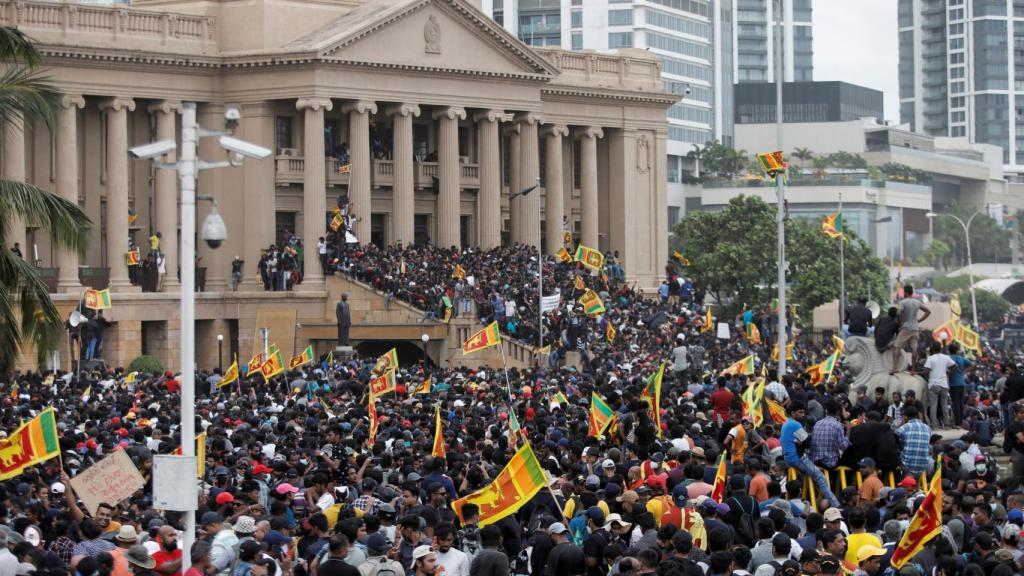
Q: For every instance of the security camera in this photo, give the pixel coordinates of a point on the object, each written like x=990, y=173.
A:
x=231, y=117
x=243, y=148
x=152, y=150
x=215, y=232
x=687, y=90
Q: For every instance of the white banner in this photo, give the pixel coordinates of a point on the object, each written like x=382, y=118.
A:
x=549, y=303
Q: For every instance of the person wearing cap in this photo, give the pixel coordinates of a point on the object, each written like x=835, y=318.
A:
x=125, y=539
x=367, y=502
x=859, y=536
x=566, y=558
x=871, y=486
x=424, y=561
x=377, y=561
x=793, y=437
x=597, y=539
x=810, y=562
x=830, y=565
x=138, y=562
x=869, y=560
x=223, y=542
x=168, y=557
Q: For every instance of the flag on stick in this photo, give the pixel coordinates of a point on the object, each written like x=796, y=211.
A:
x=383, y=384
x=591, y=302
x=925, y=525
x=743, y=366
x=776, y=411
x=610, y=332
x=230, y=375
x=718, y=490
x=485, y=338
x=563, y=255
x=386, y=362
x=589, y=257
x=832, y=225
x=97, y=299
x=709, y=323
x=305, y=358
x=753, y=333
x=273, y=366
x=255, y=363
x=33, y=442
x=424, y=387
x=775, y=352
x=438, y=450
x=601, y=415
x=459, y=272
x=512, y=488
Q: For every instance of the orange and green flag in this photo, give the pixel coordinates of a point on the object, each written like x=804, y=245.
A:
x=773, y=162
x=776, y=411
x=383, y=384
x=255, y=363
x=718, y=490
x=97, y=299
x=564, y=256
x=753, y=333
x=34, y=442
x=591, y=302
x=302, y=359
x=578, y=283
x=558, y=399
x=511, y=489
x=832, y=225
x=459, y=273
x=438, y=451
x=775, y=352
x=387, y=361
x=485, y=338
x=589, y=257
x=925, y=525
x=424, y=387
x=273, y=366
x=968, y=338
x=601, y=415
x=742, y=366
x=752, y=398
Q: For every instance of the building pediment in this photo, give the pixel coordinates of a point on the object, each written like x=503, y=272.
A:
x=424, y=34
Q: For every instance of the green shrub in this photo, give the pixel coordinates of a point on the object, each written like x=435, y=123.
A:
x=146, y=365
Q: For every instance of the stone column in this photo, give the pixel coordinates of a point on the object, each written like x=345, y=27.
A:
x=514, y=183
x=588, y=185
x=554, y=202
x=314, y=186
x=359, y=149
x=260, y=198
x=14, y=170
x=403, y=190
x=489, y=200
x=117, y=109
x=529, y=172
x=166, y=192
x=67, y=183
x=449, y=174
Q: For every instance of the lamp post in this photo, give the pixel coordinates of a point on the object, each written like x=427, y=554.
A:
x=970, y=263
x=425, y=339
x=220, y=353
x=214, y=234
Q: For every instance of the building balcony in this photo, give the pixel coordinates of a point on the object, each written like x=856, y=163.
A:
x=291, y=170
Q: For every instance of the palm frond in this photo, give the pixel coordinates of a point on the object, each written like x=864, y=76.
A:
x=18, y=48
x=67, y=222
x=28, y=93
x=20, y=285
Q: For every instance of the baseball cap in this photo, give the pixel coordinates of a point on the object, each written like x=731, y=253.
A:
x=833, y=514
x=908, y=482
x=809, y=555
x=275, y=538
x=608, y=463
x=286, y=488
x=421, y=552
x=867, y=462
x=377, y=541
x=829, y=565
x=557, y=528
x=224, y=498
x=211, y=518
x=868, y=551
x=628, y=496
x=595, y=514
x=781, y=540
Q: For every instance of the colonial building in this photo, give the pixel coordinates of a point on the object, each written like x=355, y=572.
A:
x=439, y=112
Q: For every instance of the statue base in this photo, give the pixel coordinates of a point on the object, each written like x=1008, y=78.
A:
x=344, y=353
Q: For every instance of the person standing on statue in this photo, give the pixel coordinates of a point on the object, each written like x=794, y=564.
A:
x=344, y=316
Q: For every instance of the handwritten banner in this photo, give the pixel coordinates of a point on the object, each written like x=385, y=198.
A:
x=110, y=481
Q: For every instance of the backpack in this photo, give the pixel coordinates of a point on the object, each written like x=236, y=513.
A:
x=521, y=564
x=744, y=525
x=469, y=541
x=384, y=568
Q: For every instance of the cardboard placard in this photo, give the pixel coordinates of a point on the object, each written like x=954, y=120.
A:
x=110, y=480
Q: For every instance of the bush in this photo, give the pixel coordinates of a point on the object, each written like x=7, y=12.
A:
x=146, y=365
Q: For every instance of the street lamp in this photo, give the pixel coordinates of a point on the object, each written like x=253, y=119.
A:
x=220, y=353
x=425, y=339
x=187, y=166
x=970, y=263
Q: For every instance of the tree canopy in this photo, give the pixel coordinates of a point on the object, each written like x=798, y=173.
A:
x=989, y=241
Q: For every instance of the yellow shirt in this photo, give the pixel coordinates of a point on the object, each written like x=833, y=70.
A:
x=855, y=542
x=570, y=508
x=154, y=242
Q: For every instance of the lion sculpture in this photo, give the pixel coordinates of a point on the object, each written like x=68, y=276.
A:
x=870, y=368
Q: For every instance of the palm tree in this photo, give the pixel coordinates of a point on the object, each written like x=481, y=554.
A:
x=26, y=311
x=696, y=154
x=803, y=155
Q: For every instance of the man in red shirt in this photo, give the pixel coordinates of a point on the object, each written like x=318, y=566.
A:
x=168, y=557
x=171, y=383
x=721, y=400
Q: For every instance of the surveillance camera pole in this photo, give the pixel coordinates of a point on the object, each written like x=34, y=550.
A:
x=188, y=166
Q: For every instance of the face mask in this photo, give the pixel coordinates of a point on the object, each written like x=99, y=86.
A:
x=904, y=524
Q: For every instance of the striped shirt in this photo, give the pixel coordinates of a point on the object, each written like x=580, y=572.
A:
x=915, y=455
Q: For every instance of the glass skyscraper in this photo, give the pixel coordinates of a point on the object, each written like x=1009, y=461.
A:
x=755, y=47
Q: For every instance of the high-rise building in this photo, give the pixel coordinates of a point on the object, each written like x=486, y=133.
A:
x=755, y=47
x=961, y=66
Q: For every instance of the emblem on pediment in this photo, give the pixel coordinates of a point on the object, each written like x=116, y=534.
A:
x=432, y=36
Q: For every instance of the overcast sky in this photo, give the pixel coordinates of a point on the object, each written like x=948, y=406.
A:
x=857, y=43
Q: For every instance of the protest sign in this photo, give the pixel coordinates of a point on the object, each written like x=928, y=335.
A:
x=109, y=481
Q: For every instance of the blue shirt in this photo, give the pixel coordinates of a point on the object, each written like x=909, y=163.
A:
x=915, y=454
x=792, y=432
x=956, y=379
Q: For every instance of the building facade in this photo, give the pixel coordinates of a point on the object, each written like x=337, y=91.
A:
x=807, y=102
x=439, y=113
x=961, y=71
x=755, y=59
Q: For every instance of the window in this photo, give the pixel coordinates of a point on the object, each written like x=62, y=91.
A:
x=956, y=58
x=956, y=14
x=956, y=29
x=698, y=7
x=673, y=215
x=958, y=131
x=956, y=87
x=679, y=24
x=677, y=45
x=577, y=41
x=960, y=116
x=577, y=18
x=577, y=2
x=687, y=69
x=620, y=17
x=283, y=132
x=956, y=72
x=956, y=43
x=690, y=113
x=956, y=102
x=620, y=40
x=691, y=135
x=698, y=93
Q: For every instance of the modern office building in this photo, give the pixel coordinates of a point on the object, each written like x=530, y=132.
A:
x=439, y=113
x=961, y=71
x=755, y=47
x=807, y=102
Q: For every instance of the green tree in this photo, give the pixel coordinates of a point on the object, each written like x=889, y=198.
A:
x=803, y=155
x=733, y=256
x=696, y=155
x=950, y=284
x=936, y=251
x=26, y=311
x=723, y=161
x=989, y=241
x=991, y=306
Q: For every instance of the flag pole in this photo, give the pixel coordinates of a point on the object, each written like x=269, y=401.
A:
x=842, y=266
x=504, y=368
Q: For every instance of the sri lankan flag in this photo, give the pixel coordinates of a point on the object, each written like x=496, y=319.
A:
x=589, y=257
x=775, y=352
x=925, y=525
x=832, y=225
x=822, y=370
x=752, y=397
x=273, y=366
x=718, y=490
x=132, y=258
x=97, y=299
x=337, y=221
x=423, y=388
x=371, y=412
x=591, y=302
x=743, y=366
x=438, y=451
x=459, y=272
x=753, y=334
x=230, y=375
x=680, y=258
x=566, y=237
x=514, y=429
x=302, y=359
x=485, y=338
x=652, y=395
x=773, y=162
x=34, y=442
x=563, y=255
x=610, y=332
x=578, y=283
x=512, y=488
x=558, y=399
x=776, y=411
x=386, y=362
x=968, y=338
x=255, y=363
x=601, y=415
x=709, y=323
x=945, y=333
x=383, y=384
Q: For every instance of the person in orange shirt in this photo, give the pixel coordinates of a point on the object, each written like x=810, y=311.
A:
x=758, y=480
x=871, y=486
x=737, y=440
x=126, y=538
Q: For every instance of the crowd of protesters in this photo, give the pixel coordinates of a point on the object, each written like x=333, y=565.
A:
x=293, y=485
